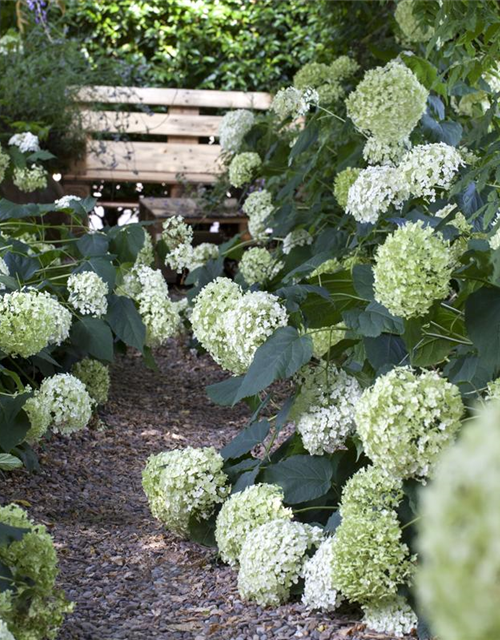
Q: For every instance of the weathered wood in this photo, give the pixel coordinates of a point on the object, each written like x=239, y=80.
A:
x=189, y=208
x=178, y=190
x=110, y=175
x=176, y=97
x=155, y=124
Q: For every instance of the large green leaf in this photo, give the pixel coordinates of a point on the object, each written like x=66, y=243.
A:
x=126, y=322
x=93, y=244
x=102, y=266
x=14, y=423
x=93, y=336
x=9, y=462
x=301, y=477
x=385, y=352
x=127, y=241
x=279, y=357
x=9, y=534
x=225, y=392
x=246, y=440
x=372, y=321
x=482, y=319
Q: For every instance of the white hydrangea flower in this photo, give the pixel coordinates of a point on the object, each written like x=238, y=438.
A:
x=406, y=420
x=460, y=222
x=272, y=560
x=324, y=409
x=177, y=236
x=62, y=402
x=95, y=376
x=296, y=238
x=4, y=271
x=412, y=270
x=66, y=202
x=25, y=142
x=343, y=182
x=30, y=179
x=159, y=314
x=393, y=617
x=5, y=634
x=184, y=483
x=146, y=255
x=409, y=25
x=258, y=265
x=243, y=168
x=30, y=321
x=428, y=167
x=326, y=79
x=87, y=293
x=378, y=151
x=374, y=191
x=4, y=163
x=320, y=591
x=324, y=339
x=202, y=253
x=494, y=240
x=388, y=103
x=233, y=128
x=293, y=102
x=258, y=207
x=243, y=512
x=369, y=559
x=458, y=538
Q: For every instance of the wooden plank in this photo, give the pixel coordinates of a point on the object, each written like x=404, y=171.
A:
x=187, y=207
x=178, y=189
x=157, y=124
x=110, y=175
x=154, y=157
x=176, y=97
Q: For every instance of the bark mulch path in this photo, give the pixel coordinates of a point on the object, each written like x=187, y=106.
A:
x=128, y=577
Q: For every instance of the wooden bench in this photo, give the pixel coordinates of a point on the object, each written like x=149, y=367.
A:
x=184, y=126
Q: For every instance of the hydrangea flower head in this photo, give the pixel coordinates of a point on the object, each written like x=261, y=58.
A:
x=243, y=512
x=258, y=266
x=388, y=103
x=324, y=409
x=184, y=483
x=62, y=403
x=4, y=271
x=293, y=103
x=296, y=238
x=326, y=79
x=377, y=151
x=30, y=179
x=87, y=293
x=320, y=590
x=243, y=168
x=412, y=270
x=4, y=163
x=406, y=420
x=374, y=191
x=458, y=584
x=371, y=490
x=258, y=207
x=430, y=167
x=343, y=182
x=202, y=253
x=393, y=617
x=66, y=202
x=272, y=560
x=177, y=236
x=30, y=321
x=25, y=142
x=324, y=339
x=146, y=255
x=95, y=376
x=35, y=607
x=233, y=128
x=412, y=30
x=5, y=634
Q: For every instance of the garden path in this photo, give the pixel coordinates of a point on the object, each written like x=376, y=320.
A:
x=129, y=578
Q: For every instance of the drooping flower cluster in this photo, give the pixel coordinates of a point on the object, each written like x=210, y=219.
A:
x=258, y=207
x=4, y=163
x=30, y=321
x=258, y=265
x=232, y=325
x=406, y=420
x=458, y=542
x=296, y=238
x=412, y=30
x=25, y=142
x=160, y=316
x=294, y=103
x=243, y=168
x=369, y=560
x=242, y=513
x=343, y=182
x=320, y=591
x=233, y=128
x=182, y=484
x=95, y=376
x=393, y=617
x=30, y=179
x=412, y=270
x=272, y=560
x=34, y=608
x=324, y=409
x=62, y=403
x=374, y=191
x=177, y=236
x=430, y=167
x=66, y=202
x=326, y=79
x=388, y=103
x=87, y=293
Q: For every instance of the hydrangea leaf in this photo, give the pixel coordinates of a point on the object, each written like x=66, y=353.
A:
x=385, y=352
x=373, y=321
x=126, y=322
x=482, y=319
x=14, y=423
x=92, y=244
x=94, y=337
x=9, y=462
x=246, y=440
x=302, y=477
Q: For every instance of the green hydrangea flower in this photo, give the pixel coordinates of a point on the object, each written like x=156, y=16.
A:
x=243, y=168
x=95, y=376
x=343, y=182
x=412, y=30
x=29, y=179
x=35, y=610
x=258, y=265
x=4, y=163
